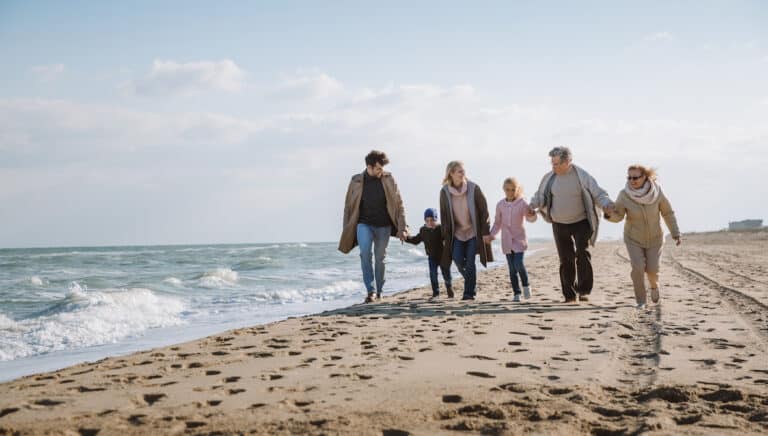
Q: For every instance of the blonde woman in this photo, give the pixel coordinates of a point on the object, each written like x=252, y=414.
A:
x=465, y=223
x=644, y=204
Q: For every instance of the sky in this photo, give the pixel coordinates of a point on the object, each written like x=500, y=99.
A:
x=137, y=123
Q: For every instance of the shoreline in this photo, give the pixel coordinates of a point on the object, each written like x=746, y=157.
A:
x=150, y=340
x=694, y=364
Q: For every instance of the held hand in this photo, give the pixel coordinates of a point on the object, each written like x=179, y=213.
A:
x=487, y=239
x=402, y=235
x=609, y=210
x=678, y=240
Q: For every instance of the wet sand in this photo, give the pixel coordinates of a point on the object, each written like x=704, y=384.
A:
x=695, y=364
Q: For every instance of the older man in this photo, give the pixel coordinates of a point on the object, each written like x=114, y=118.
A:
x=373, y=211
x=568, y=197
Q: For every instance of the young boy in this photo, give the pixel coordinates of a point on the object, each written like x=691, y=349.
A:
x=432, y=237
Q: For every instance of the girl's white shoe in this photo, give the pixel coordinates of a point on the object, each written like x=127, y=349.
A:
x=527, y=292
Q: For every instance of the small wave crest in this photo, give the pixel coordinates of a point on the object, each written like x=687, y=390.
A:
x=219, y=278
x=173, y=281
x=87, y=318
x=416, y=252
x=36, y=281
x=333, y=291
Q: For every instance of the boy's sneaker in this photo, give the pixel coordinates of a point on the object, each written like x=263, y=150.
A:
x=450, y=293
x=583, y=297
x=378, y=295
x=516, y=298
x=655, y=295
x=435, y=296
x=640, y=306
x=369, y=298
x=526, y=292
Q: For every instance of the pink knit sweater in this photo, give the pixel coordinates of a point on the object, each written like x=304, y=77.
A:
x=509, y=220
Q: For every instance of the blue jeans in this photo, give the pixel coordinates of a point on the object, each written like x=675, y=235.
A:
x=516, y=266
x=433, y=265
x=464, y=256
x=376, y=238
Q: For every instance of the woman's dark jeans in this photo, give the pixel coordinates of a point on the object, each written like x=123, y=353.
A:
x=464, y=256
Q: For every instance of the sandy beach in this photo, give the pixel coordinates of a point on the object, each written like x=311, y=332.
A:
x=695, y=364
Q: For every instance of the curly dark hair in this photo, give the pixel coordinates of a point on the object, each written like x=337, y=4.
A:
x=375, y=157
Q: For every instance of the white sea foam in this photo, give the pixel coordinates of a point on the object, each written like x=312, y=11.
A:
x=416, y=252
x=6, y=323
x=87, y=318
x=333, y=291
x=173, y=281
x=219, y=278
x=36, y=281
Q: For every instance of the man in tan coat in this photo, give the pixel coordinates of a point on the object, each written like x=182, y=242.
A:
x=373, y=211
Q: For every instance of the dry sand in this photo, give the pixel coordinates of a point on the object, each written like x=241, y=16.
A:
x=696, y=364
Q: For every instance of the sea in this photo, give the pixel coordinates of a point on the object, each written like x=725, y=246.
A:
x=62, y=306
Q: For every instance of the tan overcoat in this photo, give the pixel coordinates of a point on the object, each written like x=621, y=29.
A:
x=395, y=209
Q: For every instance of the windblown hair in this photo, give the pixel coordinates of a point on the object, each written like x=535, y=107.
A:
x=515, y=185
x=376, y=156
x=563, y=152
x=648, y=172
x=452, y=165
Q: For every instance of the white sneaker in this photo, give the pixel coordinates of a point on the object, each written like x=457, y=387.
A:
x=655, y=295
x=640, y=306
x=516, y=298
x=526, y=292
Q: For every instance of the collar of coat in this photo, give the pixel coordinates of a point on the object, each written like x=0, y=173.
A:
x=362, y=175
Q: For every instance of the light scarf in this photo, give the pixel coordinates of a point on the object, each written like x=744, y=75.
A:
x=647, y=194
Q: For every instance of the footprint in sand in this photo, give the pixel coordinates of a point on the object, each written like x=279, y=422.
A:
x=478, y=357
x=151, y=399
x=480, y=374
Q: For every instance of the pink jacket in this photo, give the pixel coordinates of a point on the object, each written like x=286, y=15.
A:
x=509, y=220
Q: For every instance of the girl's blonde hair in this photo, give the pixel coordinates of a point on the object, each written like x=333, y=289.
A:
x=452, y=165
x=515, y=184
x=648, y=172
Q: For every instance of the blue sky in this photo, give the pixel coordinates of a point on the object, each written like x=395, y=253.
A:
x=183, y=122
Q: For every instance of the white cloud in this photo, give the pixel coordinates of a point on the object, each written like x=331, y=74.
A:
x=43, y=127
x=167, y=77
x=660, y=36
x=308, y=85
x=47, y=73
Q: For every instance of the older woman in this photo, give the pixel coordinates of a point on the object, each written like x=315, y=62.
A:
x=644, y=204
x=465, y=222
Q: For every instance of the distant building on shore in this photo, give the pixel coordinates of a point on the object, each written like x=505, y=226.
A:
x=745, y=225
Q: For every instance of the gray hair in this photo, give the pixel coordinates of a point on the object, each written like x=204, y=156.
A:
x=564, y=153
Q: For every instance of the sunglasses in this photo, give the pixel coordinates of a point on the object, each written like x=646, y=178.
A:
x=634, y=177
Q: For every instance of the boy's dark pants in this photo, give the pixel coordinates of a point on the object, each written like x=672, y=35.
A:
x=572, y=241
x=434, y=264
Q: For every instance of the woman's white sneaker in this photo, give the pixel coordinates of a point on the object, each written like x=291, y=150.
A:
x=526, y=292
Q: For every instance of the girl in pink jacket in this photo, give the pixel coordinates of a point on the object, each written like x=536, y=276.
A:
x=510, y=213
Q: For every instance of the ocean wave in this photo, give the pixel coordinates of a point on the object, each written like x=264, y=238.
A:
x=6, y=323
x=259, y=262
x=416, y=252
x=219, y=278
x=173, y=281
x=36, y=281
x=332, y=291
x=88, y=318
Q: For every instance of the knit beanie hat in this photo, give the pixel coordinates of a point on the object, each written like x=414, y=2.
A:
x=430, y=213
